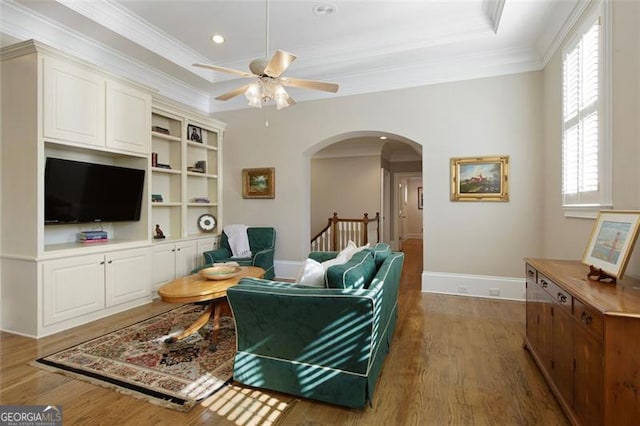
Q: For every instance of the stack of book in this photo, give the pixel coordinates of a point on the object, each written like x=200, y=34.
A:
x=93, y=236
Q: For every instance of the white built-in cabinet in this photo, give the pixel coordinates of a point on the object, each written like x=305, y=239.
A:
x=81, y=106
x=173, y=260
x=74, y=102
x=73, y=286
x=57, y=106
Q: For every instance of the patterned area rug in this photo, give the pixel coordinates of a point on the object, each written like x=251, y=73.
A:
x=137, y=361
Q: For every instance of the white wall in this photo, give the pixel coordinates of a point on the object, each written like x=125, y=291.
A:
x=492, y=116
x=567, y=237
x=349, y=186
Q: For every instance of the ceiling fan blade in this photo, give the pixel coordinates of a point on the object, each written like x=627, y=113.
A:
x=227, y=70
x=279, y=62
x=233, y=93
x=309, y=84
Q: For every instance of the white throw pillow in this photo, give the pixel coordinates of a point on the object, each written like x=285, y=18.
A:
x=338, y=260
x=351, y=249
x=348, y=251
x=311, y=274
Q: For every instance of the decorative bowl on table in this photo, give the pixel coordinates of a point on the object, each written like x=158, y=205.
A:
x=220, y=272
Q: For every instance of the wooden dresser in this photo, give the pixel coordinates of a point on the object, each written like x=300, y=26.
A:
x=585, y=338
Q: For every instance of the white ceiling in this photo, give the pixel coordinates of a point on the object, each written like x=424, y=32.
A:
x=364, y=46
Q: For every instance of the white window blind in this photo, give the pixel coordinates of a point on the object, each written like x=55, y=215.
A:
x=582, y=133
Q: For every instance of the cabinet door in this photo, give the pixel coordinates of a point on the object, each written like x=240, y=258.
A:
x=546, y=329
x=533, y=315
x=128, y=118
x=587, y=379
x=73, y=104
x=72, y=287
x=128, y=276
x=164, y=264
x=205, y=244
x=185, y=258
x=562, y=371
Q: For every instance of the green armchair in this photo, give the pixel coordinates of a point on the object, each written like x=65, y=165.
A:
x=262, y=242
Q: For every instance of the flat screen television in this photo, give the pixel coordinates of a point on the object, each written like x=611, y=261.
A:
x=79, y=192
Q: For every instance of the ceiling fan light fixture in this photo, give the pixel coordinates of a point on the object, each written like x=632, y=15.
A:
x=282, y=98
x=254, y=94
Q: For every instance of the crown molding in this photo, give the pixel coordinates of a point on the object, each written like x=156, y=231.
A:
x=423, y=73
x=559, y=37
x=493, y=10
x=129, y=25
x=24, y=24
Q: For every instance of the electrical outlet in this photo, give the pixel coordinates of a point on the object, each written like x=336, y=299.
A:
x=462, y=289
x=494, y=292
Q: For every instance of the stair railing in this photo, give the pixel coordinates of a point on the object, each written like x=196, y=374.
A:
x=339, y=231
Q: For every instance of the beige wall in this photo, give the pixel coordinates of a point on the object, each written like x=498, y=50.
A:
x=567, y=237
x=492, y=116
x=349, y=186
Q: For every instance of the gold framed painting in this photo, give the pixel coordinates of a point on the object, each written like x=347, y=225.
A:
x=480, y=178
x=611, y=242
x=259, y=183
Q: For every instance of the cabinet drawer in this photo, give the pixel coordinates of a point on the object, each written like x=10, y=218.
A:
x=555, y=291
x=589, y=317
x=531, y=274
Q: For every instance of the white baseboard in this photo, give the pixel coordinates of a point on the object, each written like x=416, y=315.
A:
x=474, y=285
x=287, y=269
x=441, y=282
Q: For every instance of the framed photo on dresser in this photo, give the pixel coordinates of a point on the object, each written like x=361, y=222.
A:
x=611, y=242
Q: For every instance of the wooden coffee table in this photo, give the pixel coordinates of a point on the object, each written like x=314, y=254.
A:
x=195, y=288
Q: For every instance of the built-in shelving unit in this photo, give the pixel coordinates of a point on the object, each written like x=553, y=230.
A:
x=63, y=107
x=190, y=186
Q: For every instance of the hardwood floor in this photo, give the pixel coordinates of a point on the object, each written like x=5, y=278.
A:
x=454, y=360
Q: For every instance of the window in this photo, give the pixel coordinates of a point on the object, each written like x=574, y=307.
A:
x=585, y=142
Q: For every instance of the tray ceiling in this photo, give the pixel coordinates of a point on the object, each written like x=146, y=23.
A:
x=365, y=46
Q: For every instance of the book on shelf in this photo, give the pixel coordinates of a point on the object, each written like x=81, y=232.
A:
x=97, y=240
x=93, y=235
x=163, y=166
x=160, y=130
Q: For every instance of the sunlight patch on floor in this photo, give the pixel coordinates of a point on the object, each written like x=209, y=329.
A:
x=246, y=407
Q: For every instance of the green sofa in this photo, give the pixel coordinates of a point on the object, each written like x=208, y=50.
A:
x=326, y=344
x=262, y=242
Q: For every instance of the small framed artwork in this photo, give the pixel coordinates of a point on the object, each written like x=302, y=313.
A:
x=612, y=239
x=259, y=183
x=480, y=179
x=194, y=133
x=420, y=198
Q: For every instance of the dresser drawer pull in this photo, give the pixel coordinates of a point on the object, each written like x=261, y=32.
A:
x=562, y=298
x=544, y=284
x=586, y=318
x=530, y=273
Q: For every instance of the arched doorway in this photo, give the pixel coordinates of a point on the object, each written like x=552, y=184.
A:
x=356, y=172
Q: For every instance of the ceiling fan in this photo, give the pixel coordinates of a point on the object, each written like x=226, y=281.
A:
x=269, y=82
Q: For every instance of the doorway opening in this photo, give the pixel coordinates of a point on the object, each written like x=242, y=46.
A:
x=360, y=172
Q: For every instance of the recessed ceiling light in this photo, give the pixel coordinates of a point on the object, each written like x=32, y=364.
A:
x=217, y=39
x=324, y=9
x=383, y=137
